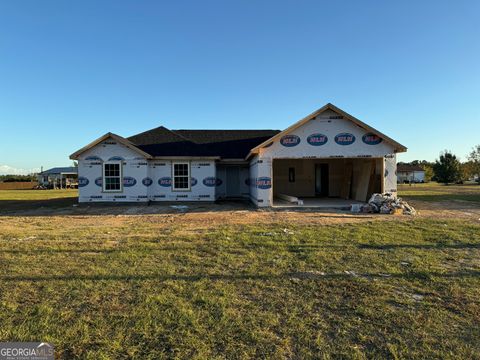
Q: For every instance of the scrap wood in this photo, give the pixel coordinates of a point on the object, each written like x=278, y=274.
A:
x=386, y=203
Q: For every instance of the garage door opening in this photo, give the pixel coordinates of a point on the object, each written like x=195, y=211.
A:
x=325, y=182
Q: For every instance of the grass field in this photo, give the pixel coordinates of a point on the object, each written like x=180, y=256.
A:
x=164, y=286
x=440, y=192
x=36, y=195
x=14, y=200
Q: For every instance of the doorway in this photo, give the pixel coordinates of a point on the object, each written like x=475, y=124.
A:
x=233, y=181
x=321, y=180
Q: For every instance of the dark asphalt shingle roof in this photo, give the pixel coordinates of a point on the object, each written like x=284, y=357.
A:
x=59, y=170
x=407, y=168
x=228, y=144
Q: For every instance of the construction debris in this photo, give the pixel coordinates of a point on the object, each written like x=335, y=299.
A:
x=386, y=203
x=181, y=208
x=291, y=199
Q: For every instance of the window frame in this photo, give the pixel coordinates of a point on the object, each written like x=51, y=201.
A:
x=189, y=176
x=104, y=183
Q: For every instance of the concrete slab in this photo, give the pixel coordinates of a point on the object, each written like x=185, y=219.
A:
x=325, y=203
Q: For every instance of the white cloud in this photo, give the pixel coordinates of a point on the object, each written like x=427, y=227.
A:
x=10, y=170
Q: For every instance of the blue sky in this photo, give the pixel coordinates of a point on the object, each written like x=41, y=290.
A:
x=72, y=71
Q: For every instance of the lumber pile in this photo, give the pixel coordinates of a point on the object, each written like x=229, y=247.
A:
x=291, y=199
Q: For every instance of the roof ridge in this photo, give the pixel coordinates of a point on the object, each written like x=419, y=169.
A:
x=146, y=131
x=225, y=130
x=183, y=137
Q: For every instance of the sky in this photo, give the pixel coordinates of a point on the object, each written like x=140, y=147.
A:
x=73, y=71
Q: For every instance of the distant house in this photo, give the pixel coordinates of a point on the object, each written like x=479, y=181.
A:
x=59, y=178
x=410, y=174
x=329, y=153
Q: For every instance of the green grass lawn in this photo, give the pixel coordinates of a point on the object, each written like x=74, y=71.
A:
x=13, y=200
x=146, y=288
x=440, y=192
x=28, y=195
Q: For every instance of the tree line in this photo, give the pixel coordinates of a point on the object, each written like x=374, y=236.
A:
x=449, y=169
x=17, y=178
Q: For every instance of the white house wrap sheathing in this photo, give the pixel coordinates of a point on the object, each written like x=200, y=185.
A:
x=390, y=176
x=143, y=179
x=327, y=136
x=261, y=181
x=309, y=146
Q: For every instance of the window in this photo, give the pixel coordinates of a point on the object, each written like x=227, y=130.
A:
x=112, y=176
x=291, y=174
x=181, y=176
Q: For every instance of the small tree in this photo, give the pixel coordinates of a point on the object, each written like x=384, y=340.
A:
x=428, y=172
x=468, y=170
x=447, y=169
x=474, y=158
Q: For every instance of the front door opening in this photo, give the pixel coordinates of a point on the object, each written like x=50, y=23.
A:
x=233, y=181
x=321, y=180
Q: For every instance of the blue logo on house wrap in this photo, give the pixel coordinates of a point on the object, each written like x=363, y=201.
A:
x=193, y=181
x=93, y=158
x=82, y=181
x=147, y=181
x=264, y=183
x=129, y=181
x=165, y=181
x=99, y=181
x=290, y=140
x=345, y=139
x=317, y=139
x=371, y=139
x=211, y=181
x=116, y=158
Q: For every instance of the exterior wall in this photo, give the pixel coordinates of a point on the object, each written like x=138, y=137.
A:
x=261, y=182
x=202, y=186
x=390, y=176
x=221, y=189
x=330, y=128
x=245, y=182
x=90, y=173
x=143, y=179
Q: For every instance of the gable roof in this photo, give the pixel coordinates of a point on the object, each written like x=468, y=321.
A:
x=408, y=168
x=117, y=138
x=398, y=147
x=60, y=170
x=227, y=144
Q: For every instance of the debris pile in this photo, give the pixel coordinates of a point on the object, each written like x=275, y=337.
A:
x=385, y=203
